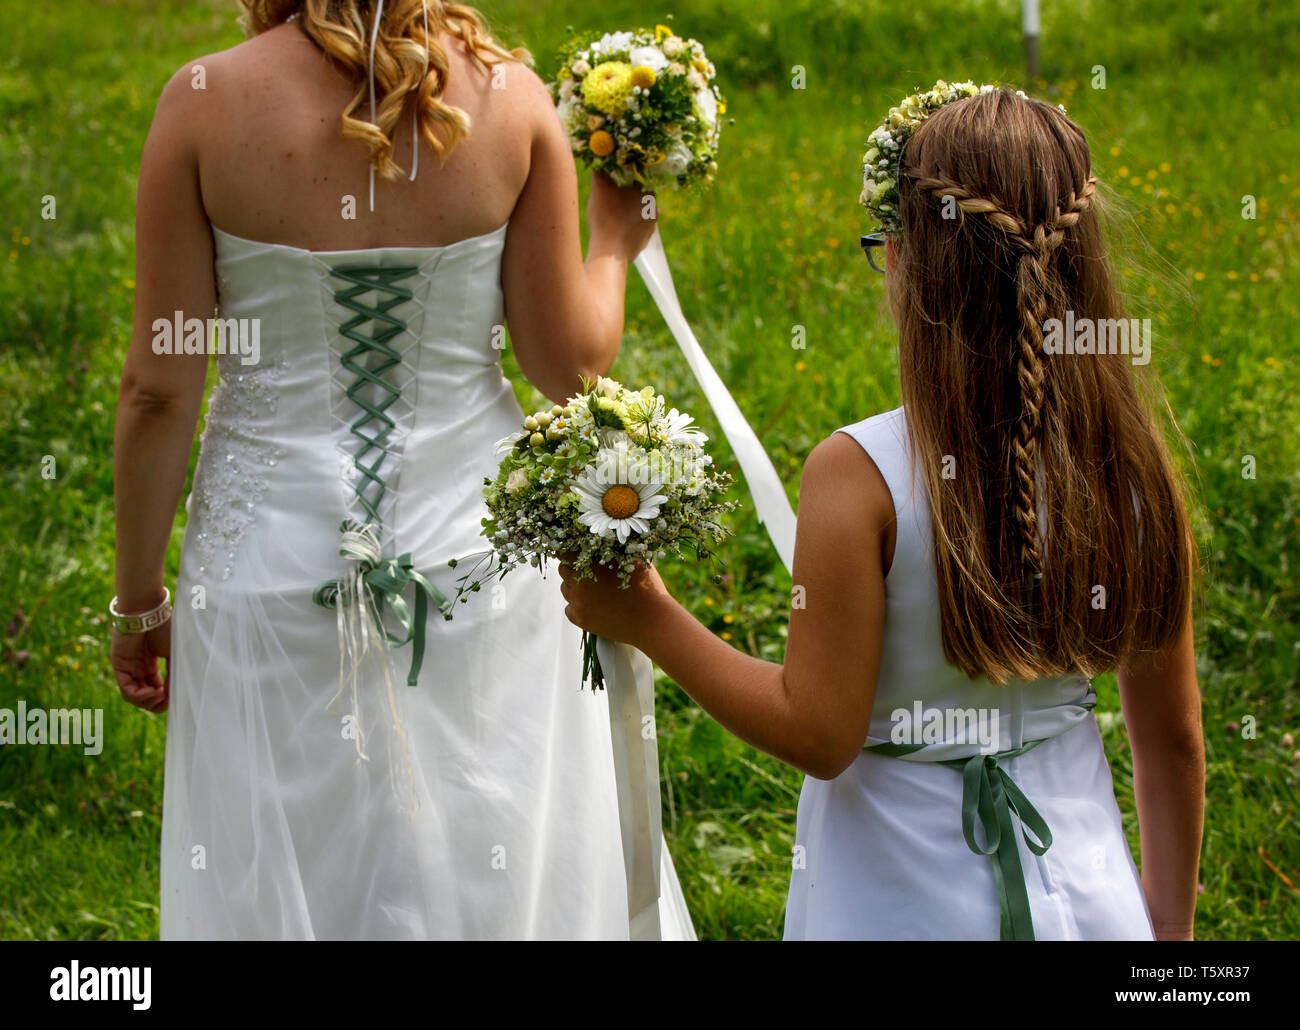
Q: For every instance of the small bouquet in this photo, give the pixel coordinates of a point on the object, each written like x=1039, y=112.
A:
x=614, y=477
x=642, y=107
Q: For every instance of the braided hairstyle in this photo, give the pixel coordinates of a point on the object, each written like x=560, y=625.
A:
x=1035, y=246
x=1058, y=460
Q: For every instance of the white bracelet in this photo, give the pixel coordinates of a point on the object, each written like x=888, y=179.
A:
x=144, y=621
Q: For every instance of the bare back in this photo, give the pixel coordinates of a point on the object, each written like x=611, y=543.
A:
x=273, y=165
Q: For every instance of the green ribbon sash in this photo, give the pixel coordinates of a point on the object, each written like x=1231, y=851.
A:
x=991, y=797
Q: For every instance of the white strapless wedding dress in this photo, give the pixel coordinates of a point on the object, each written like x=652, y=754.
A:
x=485, y=805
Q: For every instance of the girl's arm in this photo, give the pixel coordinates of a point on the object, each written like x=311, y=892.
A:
x=565, y=316
x=1162, y=710
x=813, y=712
x=160, y=394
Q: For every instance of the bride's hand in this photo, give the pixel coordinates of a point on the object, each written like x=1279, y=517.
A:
x=135, y=664
x=602, y=606
x=619, y=215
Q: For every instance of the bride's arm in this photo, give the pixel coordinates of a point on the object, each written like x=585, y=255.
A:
x=160, y=394
x=565, y=316
x=812, y=712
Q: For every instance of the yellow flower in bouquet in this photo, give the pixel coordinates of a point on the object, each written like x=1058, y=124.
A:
x=642, y=107
x=607, y=87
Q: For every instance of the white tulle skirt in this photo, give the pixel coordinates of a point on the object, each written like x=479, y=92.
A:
x=485, y=805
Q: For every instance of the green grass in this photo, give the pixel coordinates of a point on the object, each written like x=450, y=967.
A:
x=1197, y=113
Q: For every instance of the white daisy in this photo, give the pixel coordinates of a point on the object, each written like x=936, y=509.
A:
x=506, y=443
x=612, y=42
x=618, y=495
x=680, y=431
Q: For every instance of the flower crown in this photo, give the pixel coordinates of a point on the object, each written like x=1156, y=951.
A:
x=880, y=164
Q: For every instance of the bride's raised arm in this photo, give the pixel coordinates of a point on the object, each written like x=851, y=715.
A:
x=565, y=315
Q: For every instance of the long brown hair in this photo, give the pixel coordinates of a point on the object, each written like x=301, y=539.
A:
x=1061, y=537
x=406, y=61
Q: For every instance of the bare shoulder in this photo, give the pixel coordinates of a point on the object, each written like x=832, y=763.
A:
x=841, y=480
x=524, y=88
x=515, y=78
x=197, y=83
x=184, y=100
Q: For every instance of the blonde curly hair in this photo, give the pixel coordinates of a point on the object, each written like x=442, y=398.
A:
x=406, y=61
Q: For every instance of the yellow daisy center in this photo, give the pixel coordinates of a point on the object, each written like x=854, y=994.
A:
x=620, y=502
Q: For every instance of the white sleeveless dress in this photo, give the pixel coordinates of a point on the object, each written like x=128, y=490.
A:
x=497, y=817
x=880, y=849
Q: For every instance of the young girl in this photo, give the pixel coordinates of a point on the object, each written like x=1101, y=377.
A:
x=964, y=565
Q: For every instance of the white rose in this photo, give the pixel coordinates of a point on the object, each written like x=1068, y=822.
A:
x=676, y=69
x=580, y=68
x=609, y=387
x=673, y=46
x=517, y=480
x=595, y=121
x=677, y=160
x=649, y=56
x=695, y=80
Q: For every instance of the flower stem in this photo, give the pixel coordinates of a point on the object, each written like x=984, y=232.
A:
x=591, y=670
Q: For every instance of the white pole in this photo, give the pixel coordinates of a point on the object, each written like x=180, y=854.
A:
x=1030, y=9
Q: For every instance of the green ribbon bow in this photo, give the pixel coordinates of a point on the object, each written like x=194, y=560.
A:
x=992, y=796
x=386, y=580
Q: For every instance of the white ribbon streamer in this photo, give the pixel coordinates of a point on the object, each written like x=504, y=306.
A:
x=770, y=501
x=629, y=675
x=630, y=684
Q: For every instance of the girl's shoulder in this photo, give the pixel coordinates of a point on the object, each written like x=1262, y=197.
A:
x=849, y=472
x=884, y=438
x=888, y=427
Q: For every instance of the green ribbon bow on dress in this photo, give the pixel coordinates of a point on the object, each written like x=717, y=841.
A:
x=384, y=581
x=991, y=796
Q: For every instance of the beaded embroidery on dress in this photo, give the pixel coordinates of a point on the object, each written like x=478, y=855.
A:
x=230, y=481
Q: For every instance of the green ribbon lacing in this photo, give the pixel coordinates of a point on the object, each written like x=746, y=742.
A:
x=991, y=795
x=385, y=579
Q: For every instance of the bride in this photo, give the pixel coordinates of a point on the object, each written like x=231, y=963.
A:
x=341, y=761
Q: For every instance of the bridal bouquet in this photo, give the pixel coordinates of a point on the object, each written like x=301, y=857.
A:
x=614, y=477
x=642, y=107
